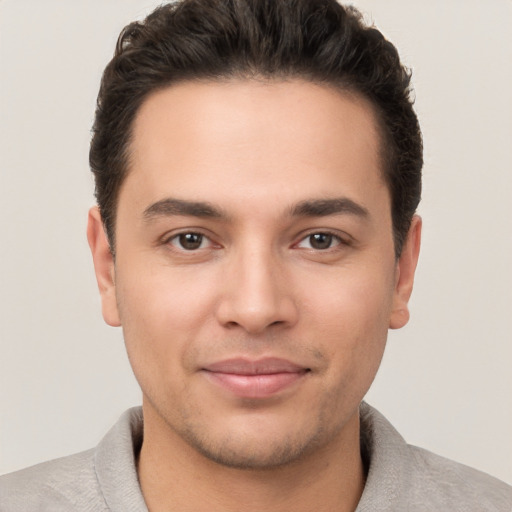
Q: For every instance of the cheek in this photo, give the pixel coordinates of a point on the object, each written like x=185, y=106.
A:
x=161, y=315
x=351, y=325
x=351, y=302
x=161, y=296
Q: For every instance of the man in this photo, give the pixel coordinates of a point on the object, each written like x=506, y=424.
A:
x=257, y=171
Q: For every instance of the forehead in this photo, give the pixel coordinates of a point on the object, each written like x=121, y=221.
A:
x=206, y=140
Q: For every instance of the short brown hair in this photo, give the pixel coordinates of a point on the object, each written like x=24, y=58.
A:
x=319, y=40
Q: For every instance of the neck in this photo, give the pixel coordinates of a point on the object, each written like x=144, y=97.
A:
x=174, y=476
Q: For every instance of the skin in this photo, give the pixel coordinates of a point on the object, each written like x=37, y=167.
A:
x=256, y=284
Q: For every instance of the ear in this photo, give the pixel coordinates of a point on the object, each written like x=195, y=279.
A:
x=405, y=268
x=103, y=266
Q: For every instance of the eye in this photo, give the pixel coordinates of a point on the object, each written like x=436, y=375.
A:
x=189, y=241
x=320, y=241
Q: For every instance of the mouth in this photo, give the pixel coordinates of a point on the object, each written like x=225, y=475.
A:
x=260, y=378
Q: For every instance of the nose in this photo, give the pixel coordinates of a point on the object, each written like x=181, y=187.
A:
x=256, y=293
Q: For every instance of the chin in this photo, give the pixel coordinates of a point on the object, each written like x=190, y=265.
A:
x=261, y=456
x=255, y=446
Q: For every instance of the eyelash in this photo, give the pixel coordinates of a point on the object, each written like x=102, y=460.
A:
x=178, y=236
x=333, y=237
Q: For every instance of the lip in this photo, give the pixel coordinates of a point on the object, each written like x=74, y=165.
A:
x=261, y=378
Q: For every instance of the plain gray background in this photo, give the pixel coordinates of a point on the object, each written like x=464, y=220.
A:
x=446, y=378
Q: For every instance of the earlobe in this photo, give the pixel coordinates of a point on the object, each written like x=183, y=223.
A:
x=406, y=267
x=103, y=267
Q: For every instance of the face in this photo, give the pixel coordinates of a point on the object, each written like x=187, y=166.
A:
x=255, y=277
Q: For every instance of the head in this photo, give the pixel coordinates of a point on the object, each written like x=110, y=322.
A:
x=257, y=167
x=197, y=40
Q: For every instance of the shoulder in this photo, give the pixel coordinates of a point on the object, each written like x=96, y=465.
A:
x=103, y=478
x=402, y=477
x=68, y=483
x=442, y=481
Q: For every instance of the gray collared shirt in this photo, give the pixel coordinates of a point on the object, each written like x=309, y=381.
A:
x=400, y=478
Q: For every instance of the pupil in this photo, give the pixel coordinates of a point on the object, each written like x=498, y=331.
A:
x=321, y=241
x=191, y=240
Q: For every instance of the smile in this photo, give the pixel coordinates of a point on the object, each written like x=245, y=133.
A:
x=255, y=379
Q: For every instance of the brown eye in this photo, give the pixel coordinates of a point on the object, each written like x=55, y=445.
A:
x=320, y=241
x=189, y=241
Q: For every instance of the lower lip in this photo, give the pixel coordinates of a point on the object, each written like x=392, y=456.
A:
x=255, y=386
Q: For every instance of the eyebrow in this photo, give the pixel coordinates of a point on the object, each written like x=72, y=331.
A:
x=170, y=206
x=201, y=209
x=325, y=207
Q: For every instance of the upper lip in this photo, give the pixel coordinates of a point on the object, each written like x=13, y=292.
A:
x=264, y=366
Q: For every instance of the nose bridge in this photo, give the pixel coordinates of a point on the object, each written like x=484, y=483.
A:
x=254, y=296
